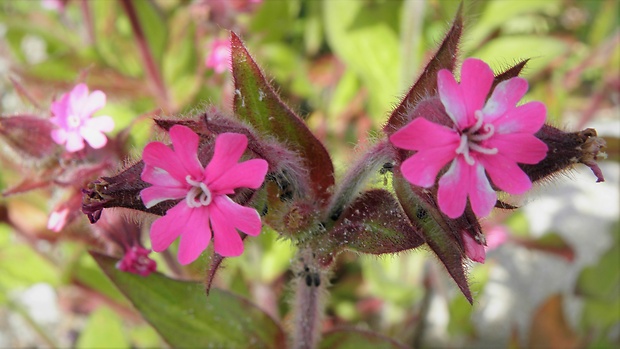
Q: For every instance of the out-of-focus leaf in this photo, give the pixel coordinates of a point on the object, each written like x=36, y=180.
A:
x=445, y=58
x=498, y=12
x=541, y=49
x=365, y=36
x=605, y=22
x=104, y=329
x=154, y=27
x=550, y=243
x=275, y=19
x=603, y=280
x=84, y=270
x=549, y=328
x=185, y=317
x=21, y=266
x=357, y=339
x=256, y=102
x=145, y=337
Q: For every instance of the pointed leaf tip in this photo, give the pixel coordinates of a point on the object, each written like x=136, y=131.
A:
x=426, y=85
x=256, y=102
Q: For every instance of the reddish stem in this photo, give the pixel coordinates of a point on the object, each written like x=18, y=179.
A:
x=147, y=56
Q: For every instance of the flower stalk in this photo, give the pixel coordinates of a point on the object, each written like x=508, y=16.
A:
x=310, y=291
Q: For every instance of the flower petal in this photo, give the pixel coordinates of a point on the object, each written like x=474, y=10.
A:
x=59, y=136
x=526, y=118
x=102, y=123
x=473, y=249
x=153, y=195
x=94, y=137
x=421, y=169
x=228, y=150
x=452, y=192
x=506, y=174
x=160, y=177
x=77, y=100
x=185, y=143
x=157, y=154
x=60, y=109
x=95, y=101
x=452, y=98
x=247, y=174
x=195, y=237
x=481, y=195
x=423, y=134
x=167, y=228
x=476, y=81
x=226, y=241
x=245, y=219
x=504, y=98
x=75, y=142
x=519, y=147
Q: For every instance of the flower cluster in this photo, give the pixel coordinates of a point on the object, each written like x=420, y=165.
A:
x=205, y=207
x=487, y=140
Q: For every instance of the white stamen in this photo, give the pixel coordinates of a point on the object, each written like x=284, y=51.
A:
x=198, y=195
x=470, y=139
x=73, y=121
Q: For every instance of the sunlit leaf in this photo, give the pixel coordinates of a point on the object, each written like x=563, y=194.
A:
x=185, y=317
x=357, y=339
x=256, y=102
x=104, y=329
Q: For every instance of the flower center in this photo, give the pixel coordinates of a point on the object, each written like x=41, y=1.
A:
x=73, y=121
x=473, y=136
x=198, y=195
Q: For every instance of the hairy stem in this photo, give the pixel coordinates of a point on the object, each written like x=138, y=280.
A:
x=308, y=304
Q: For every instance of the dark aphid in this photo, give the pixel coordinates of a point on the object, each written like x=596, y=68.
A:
x=309, y=280
x=316, y=278
x=421, y=213
x=387, y=167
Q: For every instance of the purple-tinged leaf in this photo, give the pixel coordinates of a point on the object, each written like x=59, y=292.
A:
x=442, y=234
x=357, y=339
x=509, y=73
x=426, y=85
x=376, y=224
x=186, y=318
x=256, y=102
x=28, y=136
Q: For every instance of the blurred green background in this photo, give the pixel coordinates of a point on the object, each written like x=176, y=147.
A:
x=342, y=64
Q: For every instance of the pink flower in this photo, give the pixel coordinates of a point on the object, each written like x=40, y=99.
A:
x=487, y=140
x=205, y=206
x=219, y=58
x=136, y=260
x=72, y=114
x=473, y=249
x=58, y=219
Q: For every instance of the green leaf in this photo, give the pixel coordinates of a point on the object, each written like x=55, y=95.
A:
x=426, y=85
x=256, y=102
x=357, y=339
x=542, y=51
x=365, y=36
x=104, y=329
x=185, y=317
x=154, y=27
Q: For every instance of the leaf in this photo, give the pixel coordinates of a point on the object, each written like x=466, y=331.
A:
x=365, y=36
x=550, y=329
x=256, y=102
x=375, y=223
x=445, y=58
x=104, y=329
x=440, y=232
x=357, y=339
x=185, y=317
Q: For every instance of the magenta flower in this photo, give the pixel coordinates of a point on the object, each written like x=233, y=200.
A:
x=72, y=114
x=473, y=249
x=486, y=138
x=136, y=261
x=219, y=57
x=205, y=206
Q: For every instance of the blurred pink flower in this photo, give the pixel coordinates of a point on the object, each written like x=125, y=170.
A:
x=72, y=114
x=136, y=260
x=58, y=219
x=205, y=205
x=496, y=236
x=487, y=135
x=473, y=249
x=219, y=56
x=54, y=5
